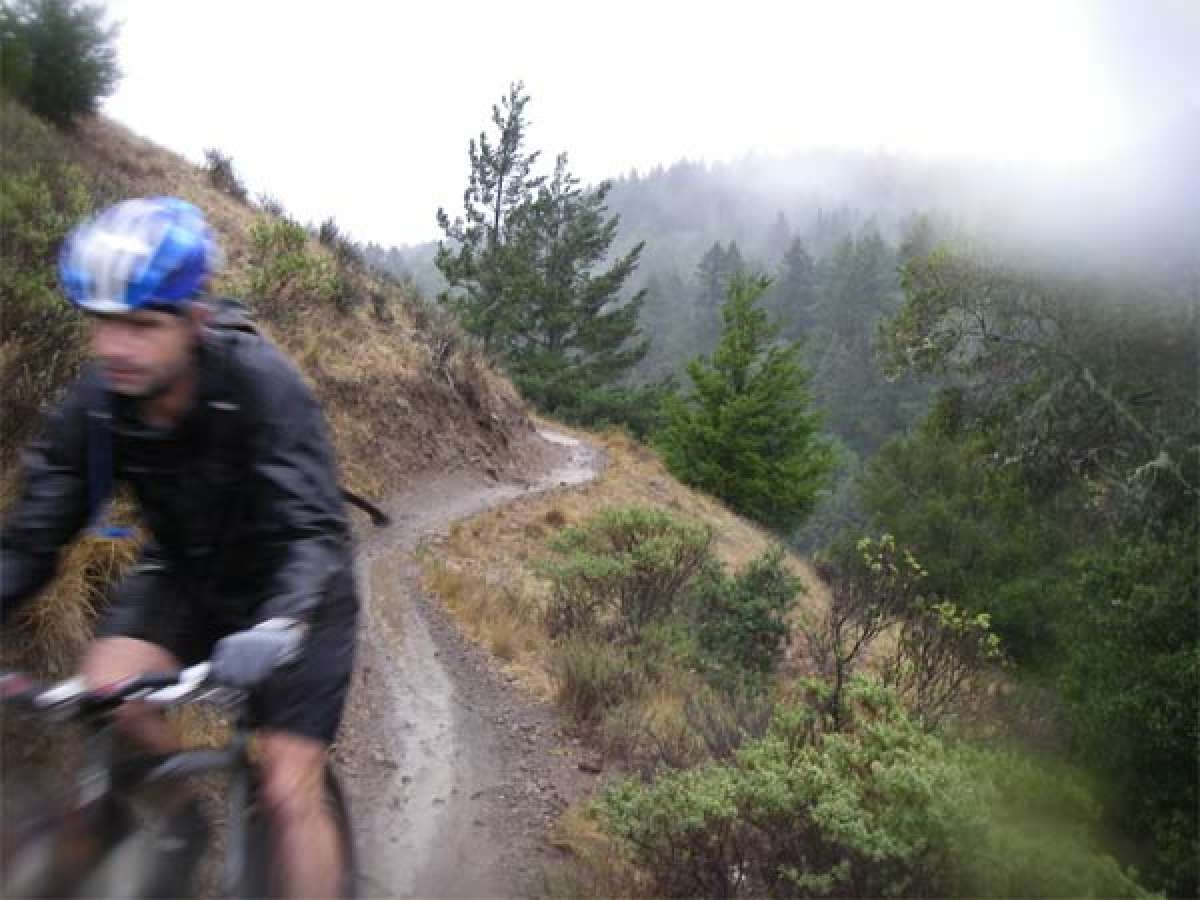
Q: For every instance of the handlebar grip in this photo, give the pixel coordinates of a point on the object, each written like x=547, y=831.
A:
x=17, y=688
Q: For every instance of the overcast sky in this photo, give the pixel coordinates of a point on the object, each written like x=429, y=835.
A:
x=363, y=110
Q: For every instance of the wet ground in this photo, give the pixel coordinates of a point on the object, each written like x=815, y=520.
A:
x=453, y=776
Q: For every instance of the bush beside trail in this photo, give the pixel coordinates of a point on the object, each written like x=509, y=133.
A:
x=879, y=807
x=745, y=783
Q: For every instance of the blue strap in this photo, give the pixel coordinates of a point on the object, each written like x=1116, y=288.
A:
x=100, y=475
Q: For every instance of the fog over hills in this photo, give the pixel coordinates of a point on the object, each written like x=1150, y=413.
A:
x=1141, y=209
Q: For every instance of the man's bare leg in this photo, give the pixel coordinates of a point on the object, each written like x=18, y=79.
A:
x=306, y=842
x=113, y=659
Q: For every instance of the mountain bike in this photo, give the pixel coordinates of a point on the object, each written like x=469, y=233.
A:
x=97, y=847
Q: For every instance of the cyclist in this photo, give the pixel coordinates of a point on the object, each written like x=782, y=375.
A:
x=227, y=454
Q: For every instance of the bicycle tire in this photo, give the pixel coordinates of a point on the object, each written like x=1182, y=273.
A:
x=257, y=880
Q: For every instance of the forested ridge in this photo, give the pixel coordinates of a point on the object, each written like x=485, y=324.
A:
x=1004, y=362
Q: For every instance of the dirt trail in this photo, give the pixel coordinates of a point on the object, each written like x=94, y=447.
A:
x=452, y=775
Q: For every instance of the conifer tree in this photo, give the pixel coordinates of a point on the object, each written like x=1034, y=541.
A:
x=794, y=295
x=475, y=261
x=570, y=334
x=747, y=433
x=779, y=237
x=710, y=276
x=526, y=268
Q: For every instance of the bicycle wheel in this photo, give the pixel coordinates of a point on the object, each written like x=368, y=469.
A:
x=258, y=871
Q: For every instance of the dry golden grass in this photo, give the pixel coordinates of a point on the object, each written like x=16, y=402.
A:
x=592, y=868
x=494, y=554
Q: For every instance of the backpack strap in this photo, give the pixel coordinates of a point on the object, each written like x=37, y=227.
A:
x=229, y=314
x=378, y=517
x=100, y=466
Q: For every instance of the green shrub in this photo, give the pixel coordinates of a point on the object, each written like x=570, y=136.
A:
x=284, y=269
x=866, y=812
x=939, y=653
x=222, y=174
x=592, y=677
x=1130, y=680
x=57, y=56
x=328, y=234
x=622, y=570
x=41, y=336
x=637, y=408
x=878, y=808
x=740, y=619
x=1042, y=821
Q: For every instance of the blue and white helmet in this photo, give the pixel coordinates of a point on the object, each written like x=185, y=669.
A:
x=153, y=251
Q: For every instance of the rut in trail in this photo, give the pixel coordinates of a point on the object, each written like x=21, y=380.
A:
x=451, y=774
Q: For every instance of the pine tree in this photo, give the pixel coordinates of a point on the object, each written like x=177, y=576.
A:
x=732, y=265
x=570, y=334
x=710, y=277
x=794, y=295
x=746, y=433
x=779, y=238
x=476, y=262
x=716, y=270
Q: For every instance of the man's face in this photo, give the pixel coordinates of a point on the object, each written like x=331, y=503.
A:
x=144, y=350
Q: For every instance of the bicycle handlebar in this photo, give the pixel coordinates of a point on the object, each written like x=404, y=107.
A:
x=72, y=696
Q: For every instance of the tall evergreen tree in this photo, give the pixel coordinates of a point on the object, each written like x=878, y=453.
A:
x=570, y=334
x=475, y=259
x=747, y=433
x=732, y=265
x=794, y=294
x=710, y=276
x=779, y=238
x=526, y=268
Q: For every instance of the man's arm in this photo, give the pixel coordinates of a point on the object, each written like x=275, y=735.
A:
x=53, y=505
x=295, y=492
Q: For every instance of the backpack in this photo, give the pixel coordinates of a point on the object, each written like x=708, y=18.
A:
x=228, y=315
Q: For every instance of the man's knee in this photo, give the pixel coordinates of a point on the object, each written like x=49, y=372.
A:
x=292, y=776
x=112, y=659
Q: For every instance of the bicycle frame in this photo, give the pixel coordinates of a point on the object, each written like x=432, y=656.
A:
x=98, y=818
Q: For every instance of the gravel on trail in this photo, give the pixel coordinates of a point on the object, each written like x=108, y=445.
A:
x=453, y=775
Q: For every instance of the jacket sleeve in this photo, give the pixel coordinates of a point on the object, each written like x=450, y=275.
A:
x=299, y=514
x=53, y=504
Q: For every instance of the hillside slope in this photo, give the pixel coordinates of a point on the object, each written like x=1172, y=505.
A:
x=486, y=568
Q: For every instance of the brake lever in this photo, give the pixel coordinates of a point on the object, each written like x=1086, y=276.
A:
x=62, y=693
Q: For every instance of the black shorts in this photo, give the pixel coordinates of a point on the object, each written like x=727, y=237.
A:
x=306, y=698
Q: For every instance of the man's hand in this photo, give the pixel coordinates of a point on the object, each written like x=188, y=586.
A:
x=246, y=659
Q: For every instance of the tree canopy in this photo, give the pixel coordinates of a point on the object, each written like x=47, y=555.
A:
x=58, y=57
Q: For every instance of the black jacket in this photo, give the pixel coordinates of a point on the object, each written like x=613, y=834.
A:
x=241, y=497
